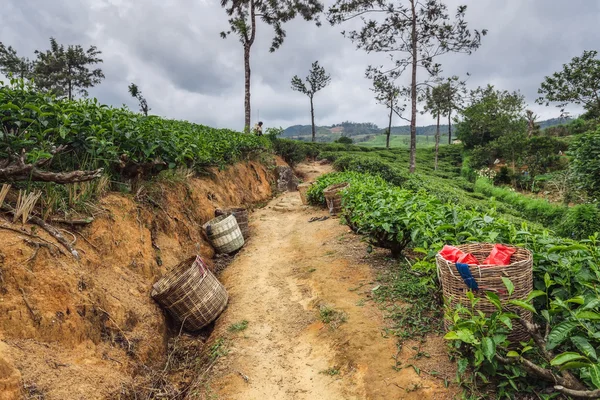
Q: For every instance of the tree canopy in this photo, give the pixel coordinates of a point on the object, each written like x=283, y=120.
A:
x=66, y=71
x=415, y=33
x=578, y=82
x=491, y=114
x=316, y=80
x=242, y=23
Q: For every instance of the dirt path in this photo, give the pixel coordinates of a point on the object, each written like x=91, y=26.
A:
x=290, y=270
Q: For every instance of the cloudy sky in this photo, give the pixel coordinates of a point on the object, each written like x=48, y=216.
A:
x=172, y=50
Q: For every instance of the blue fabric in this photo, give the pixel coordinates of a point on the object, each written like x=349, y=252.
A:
x=465, y=273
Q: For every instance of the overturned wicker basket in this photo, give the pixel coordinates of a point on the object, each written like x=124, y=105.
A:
x=489, y=278
x=333, y=197
x=241, y=216
x=191, y=294
x=224, y=234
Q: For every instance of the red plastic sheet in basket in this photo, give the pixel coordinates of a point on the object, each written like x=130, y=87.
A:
x=454, y=254
x=500, y=255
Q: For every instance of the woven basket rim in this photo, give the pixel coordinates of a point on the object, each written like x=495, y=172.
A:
x=519, y=250
x=334, y=188
x=234, y=209
x=218, y=220
x=175, y=275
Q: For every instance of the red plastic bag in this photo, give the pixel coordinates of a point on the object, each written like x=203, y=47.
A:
x=468, y=259
x=500, y=255
x=454, y=254
x=451, y=253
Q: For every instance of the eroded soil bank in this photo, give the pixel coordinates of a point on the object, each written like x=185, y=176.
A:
x=84, y=329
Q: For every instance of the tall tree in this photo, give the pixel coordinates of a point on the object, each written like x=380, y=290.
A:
x=435, y=103
x=242, y=22
x=134, y=91
x=11, y=63
x=491, y=114
x=415, y=32
x=67, y=71
x=455, y=91
x=578, y=82
x=387, y=94
x=316, y=80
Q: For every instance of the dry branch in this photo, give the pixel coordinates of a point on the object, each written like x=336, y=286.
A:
x=16, y=169
x=48, y=228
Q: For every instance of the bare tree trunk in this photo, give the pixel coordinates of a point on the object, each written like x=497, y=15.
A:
x=247, y=88
x=247, y=46
x=312, y=119
x=413, y=92
x=437, y=143
x=389, y=132
x=449, y=127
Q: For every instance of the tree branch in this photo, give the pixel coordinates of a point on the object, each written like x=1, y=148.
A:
x=586, y=394
x=15, y=169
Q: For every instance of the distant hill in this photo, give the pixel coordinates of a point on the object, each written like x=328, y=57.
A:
x=330, y=133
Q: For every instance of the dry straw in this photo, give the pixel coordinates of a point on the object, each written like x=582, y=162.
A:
x=191, y=294
x=25, y=204
x=489, y=277
x=3, y=193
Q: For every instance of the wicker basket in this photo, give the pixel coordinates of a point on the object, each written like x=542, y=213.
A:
x=241, y=216
x=224, y=234
x=191, y=294
x=520, y=272
x=333, y=197
x=303, y=189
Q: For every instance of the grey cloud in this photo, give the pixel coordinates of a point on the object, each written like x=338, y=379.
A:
x=173, y=51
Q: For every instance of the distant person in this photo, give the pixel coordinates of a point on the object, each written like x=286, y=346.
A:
x=258, y=128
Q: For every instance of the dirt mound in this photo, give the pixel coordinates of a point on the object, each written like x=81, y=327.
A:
x=84, y=329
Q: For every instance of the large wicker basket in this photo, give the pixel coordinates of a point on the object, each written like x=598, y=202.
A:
x=333, y=197
x=191, y=294
x=241, y=216
x=303, y=189
x=489, y=278
x=224, y=234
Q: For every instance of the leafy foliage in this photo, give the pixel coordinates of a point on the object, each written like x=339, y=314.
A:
x=578, y=82
x=586, y=162
x=59, y=70
x=66, y=71
x=103, y=136
x=419, y=216
x=491, y=115
x=135, y=92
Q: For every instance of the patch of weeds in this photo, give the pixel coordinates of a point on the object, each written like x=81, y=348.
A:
x=333, y=371
x=311, y=270
x=218, y=349
x=238, y=326
x=331, y=316
x=420, y=312
x=361, y=302
x=330, y=253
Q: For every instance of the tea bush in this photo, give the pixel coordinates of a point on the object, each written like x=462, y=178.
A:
x=566, y=272
x=100, y=136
